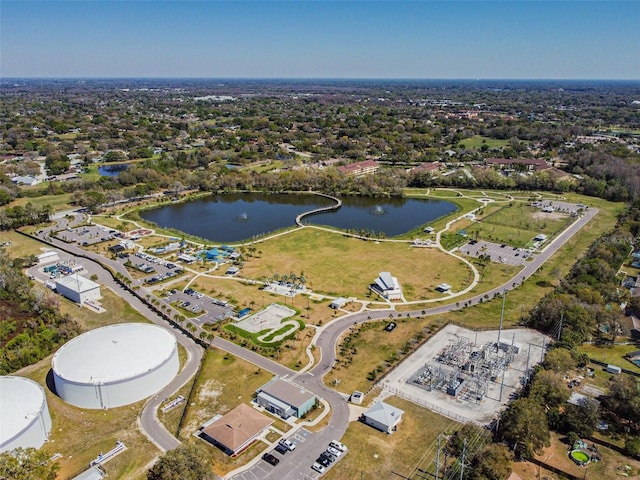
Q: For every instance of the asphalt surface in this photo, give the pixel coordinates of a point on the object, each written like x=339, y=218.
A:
x=297, y=463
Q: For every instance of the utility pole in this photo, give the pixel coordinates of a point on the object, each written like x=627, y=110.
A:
x=560, y=329
x=526, y=373
x=464, y=452
x=504, y=298
x=438, y=460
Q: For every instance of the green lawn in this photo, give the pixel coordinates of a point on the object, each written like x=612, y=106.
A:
x=333, y=264
x=612, y=354
x=477, y=141
x=57, y=202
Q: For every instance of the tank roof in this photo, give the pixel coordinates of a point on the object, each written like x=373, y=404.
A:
x=21, y=401
x=114, y=353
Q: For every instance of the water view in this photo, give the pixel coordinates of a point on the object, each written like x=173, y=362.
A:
x=112, y=170
x=235, y=217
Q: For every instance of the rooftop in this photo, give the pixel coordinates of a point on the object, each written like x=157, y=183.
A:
x=77, y=283
x=21, y=400
x=237, y=427
x=287, y=392
x=384, y=413
x=113, y=353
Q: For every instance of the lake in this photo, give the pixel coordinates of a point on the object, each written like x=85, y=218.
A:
x=236, y=217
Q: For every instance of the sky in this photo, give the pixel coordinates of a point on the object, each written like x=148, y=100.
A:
x=473, y=39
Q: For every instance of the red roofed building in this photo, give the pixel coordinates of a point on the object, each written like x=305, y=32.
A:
x=359, y=169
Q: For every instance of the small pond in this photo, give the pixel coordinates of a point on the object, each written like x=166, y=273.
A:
x=112, y=170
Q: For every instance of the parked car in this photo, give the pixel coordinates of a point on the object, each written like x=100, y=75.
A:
x=281, y=449
x=324, y=461
x=334, y=451
x=318, y=468
x=337, y=445
x=328, y=456
x=288, y=443
x=269, y=458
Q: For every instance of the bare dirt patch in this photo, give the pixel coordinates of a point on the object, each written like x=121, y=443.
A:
x=548, y=216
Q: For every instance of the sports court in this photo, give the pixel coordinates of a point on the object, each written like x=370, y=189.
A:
x=268, y=318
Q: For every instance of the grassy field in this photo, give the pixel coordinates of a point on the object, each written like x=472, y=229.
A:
x=21, y=246
x=224, y=382
x=374, y=455
x=57, y=202
x=325, y=260
x=368, y=348
x=516, y=224
x=612, y=354
x=478, y=141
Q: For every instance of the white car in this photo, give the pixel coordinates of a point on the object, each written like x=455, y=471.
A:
x=334, y=451
x=337, y=445
x=318, y=468
x=288, y=443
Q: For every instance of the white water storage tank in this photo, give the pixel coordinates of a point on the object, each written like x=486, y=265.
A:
x=116, y=365
x=24, y=414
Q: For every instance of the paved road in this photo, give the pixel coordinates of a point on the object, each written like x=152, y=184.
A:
x=298, y=462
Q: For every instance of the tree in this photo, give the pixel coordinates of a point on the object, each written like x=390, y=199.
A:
x=582, y=418
x=559, y=360
x=493, y=463
x=27, y=464
x=186, y=462
x=549, y=389
x=524, y=427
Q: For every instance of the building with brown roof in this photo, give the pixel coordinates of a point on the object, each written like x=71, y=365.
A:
x=236, y=430
x=359, y=169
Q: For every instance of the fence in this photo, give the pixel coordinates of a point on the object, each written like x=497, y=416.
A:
x=423, y=403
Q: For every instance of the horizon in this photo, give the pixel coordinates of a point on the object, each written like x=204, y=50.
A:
x=328, y=79
x=382, y=40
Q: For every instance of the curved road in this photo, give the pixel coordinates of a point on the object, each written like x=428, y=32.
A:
x=312, y=380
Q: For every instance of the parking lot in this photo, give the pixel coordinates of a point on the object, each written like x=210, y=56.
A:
x=88, y=235
x=207, y=309
x=499, y=253
x=157, y=269
x=297, y=463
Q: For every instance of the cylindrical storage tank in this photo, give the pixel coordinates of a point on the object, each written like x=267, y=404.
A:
x=24, y=415
x=116, y=365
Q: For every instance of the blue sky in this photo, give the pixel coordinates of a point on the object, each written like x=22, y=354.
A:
x=321, y=39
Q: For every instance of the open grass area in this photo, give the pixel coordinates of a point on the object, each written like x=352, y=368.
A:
x=326, y=260
x=223, y=383
x=21, y=246
x=516, y=224
x=57, y=202
x=366, y=351
x=612, y=354
x=477, y=141
x=373, y=454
